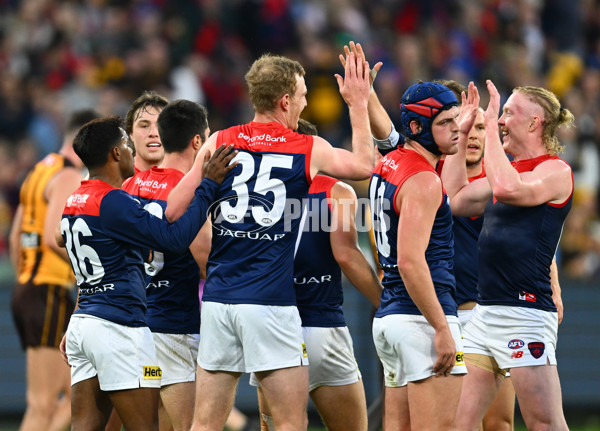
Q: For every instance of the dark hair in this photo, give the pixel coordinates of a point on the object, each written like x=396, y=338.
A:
x=179, y=122
x=306, y=127
x=456, y=87
x=147, y=99
x=79, y=118
x=94, y=141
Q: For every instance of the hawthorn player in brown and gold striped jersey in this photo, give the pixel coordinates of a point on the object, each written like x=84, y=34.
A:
x=42, y=302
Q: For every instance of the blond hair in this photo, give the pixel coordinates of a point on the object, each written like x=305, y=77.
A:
x=271, y=77
x=554, y=115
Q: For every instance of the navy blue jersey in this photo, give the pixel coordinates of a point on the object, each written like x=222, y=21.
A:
x=466, y=260
x=386, y=181
x=516, y=248
x=255, y=224
x=106, y=234
x=317, y=275
x=173, y=278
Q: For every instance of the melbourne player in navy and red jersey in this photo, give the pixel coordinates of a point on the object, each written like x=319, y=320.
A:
x=520, y=278
x=415, y=329
x=249, y=318
x=514, y=325
x=319, y=294
x=274, y=167
x=173, y=312
x=107, y=252
x=324, y=251
x=466, y=233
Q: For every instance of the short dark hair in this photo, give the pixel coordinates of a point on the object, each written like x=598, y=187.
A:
x=456, y=87
x=147, y=99
x=79, y=118
x=94, y=141
x=179, y=122
x=306, y=127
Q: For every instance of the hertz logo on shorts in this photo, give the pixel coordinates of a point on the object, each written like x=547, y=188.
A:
x=152, y=373
x=304, y=353
x=460, y=359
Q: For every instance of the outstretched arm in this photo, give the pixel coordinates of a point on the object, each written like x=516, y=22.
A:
x=344, y=244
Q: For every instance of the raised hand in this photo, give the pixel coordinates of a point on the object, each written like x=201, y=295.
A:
x=491, y=113
x=468, y=109
x=355, y=86
x=358, y=50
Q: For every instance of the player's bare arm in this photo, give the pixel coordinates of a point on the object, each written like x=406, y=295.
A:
x=200, y=247
x=14, y=238
x=417, y=203
x=556, y=291
x=344, y=244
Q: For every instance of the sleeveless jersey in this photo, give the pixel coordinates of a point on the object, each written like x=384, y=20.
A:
x=39, y=264
x=172, y=279
x=317, y=276
x=386, y=181
x=466, y=234
x=255, y=224
x=516, y=247
x=105, y=232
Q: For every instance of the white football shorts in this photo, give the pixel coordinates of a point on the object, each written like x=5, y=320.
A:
x=405, y=347
x=121, y=356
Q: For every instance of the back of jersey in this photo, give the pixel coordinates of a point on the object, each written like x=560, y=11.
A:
x=39, y=263
x=256, y=216
x=317, y=275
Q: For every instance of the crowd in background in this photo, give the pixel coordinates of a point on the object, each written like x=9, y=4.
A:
x=57, y=56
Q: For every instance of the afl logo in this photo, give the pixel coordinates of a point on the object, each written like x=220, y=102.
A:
x=515, y=344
